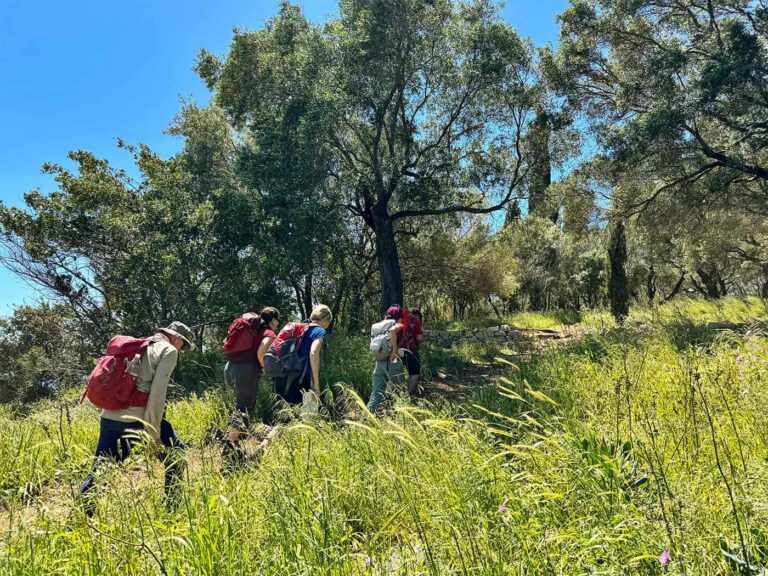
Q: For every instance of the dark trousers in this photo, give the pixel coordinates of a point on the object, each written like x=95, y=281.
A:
x=291, y=387
x=116, y=440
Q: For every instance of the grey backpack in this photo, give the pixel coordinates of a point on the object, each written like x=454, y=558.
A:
x=381, y=346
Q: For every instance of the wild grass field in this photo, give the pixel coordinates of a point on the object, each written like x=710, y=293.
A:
x=634, y=450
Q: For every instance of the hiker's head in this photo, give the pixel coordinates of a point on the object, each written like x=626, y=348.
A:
x=180, y=335
x=416, y=313
x=270, y=317
x=321, y=315
x=394, y=312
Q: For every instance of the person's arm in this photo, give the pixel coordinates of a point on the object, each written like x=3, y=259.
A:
x=393, y=337
x=153, y=413
x=314, y=363
x=264, y=348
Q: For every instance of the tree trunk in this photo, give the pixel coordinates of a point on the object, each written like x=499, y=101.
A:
x=390, y=274
x=341, y=290
x=676, y=289
x=308, y=295
x=651, y=283
x=710, y=278
x=721, y=283
x=355, y=324
x=495, y=310
x=536, y=296
x=298, y=291
x=764, y=289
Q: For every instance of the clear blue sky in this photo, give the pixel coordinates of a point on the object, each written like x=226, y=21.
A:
x=80, y=74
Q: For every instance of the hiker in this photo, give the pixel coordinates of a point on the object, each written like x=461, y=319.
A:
x=384, y=347
x=130, y=385
x=247, y=341
x=292, y=386
x=411, y=338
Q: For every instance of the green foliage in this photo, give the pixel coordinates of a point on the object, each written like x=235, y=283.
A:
x=677, y=96
x=613, y=465
x=380, y=107
x=670, y=91
x=344, y=361
x=130, y=256
x=41, y=353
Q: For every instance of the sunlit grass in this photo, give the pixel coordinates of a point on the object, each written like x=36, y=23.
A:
x=695, y=310
x=589, y=458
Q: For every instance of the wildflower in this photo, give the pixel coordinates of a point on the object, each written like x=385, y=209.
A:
x=664, y=558
x=502, y=509
x=741, y=372
x=739, y=359
x=368, y=561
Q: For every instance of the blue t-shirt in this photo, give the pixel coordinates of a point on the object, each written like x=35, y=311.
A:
x=311, y=334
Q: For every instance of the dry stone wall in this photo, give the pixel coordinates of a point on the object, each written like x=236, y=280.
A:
x=498, y=334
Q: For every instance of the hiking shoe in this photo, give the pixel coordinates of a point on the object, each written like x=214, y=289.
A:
x=232, y=456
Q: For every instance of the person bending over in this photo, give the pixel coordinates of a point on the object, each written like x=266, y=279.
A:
x=292, y=389
x=119, y=429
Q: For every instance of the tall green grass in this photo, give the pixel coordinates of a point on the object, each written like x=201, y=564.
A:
x=591, y=458
x=694, y=310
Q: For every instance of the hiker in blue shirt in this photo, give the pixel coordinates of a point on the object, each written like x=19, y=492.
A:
x=291, y=390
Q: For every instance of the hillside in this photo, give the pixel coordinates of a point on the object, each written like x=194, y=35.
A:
x=606, y=454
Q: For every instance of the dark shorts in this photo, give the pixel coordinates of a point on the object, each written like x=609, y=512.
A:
x=412, y=362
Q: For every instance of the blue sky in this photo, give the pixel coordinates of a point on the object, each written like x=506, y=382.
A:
x=80, y=74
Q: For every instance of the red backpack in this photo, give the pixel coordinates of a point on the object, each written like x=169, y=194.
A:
x=282, y=359
x=408, y=335
x=112, y=384
x=242, y=338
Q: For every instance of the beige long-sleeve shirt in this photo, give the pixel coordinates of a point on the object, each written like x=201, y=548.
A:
x=153, y=376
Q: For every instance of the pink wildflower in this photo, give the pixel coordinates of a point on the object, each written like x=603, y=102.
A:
x=502, y=509
x=664, y=558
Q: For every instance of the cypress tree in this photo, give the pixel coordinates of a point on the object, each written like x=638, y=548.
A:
x=618, y=287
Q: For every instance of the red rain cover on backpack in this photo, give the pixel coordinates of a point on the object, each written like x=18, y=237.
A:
x=409, y=333
x=242, y=338
x=282, y=357
x=111, y=386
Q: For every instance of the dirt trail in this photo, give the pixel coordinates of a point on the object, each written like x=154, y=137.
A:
x=57, y=501
x=527, y=343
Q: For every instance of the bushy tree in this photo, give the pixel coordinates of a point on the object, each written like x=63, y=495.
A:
x=131, y=255
x=422, y=104
x=40, y=353
x=675, y=91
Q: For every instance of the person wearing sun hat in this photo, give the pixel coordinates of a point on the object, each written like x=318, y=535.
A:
x=119, y=428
